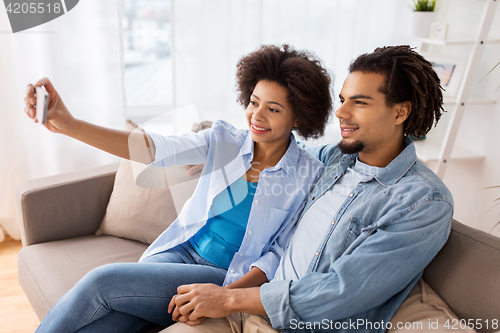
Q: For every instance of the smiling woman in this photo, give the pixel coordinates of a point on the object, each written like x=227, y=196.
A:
x=236, y=225
x=307, y=84
x=270, y=117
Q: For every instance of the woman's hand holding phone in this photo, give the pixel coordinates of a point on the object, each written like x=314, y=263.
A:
x=59, y=119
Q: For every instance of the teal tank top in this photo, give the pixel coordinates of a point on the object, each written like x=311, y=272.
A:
x=220, y=238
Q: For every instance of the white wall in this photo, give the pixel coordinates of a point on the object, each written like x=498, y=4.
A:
x=211, y=36
x=474, y=204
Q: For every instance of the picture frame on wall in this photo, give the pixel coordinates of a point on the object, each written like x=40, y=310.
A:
x=450, y=70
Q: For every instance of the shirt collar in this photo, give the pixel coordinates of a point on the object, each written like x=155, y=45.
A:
x=289, y=160
x=398, y=167
x=247, y=146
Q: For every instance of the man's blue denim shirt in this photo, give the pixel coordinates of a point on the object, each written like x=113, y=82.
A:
x=379, y=242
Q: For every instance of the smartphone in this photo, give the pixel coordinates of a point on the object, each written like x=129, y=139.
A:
x=42, y=104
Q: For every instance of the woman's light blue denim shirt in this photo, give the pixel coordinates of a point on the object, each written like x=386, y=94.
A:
x=375, y=250
x=227, y=154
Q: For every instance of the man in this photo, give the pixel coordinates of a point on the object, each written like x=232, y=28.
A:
x=374, y=220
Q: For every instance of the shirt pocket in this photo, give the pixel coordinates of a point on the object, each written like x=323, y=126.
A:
x=276, y=218
x=354, y=229
x=274, y=225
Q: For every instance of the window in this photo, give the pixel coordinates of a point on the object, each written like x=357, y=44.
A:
x=147, y=58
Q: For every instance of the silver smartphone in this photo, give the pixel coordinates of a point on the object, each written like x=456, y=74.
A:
x=42, y=104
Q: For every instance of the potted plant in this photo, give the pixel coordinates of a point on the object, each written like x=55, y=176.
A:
x=422, y=17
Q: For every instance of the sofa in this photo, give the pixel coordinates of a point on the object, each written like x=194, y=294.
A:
x=60, y=215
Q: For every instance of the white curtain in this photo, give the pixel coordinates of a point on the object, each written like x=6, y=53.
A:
x=80, y=52
x=210, y=36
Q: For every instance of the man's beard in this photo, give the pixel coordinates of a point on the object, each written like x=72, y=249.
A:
x=351, y=148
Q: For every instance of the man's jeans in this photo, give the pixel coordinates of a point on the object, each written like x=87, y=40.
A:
x=129, y=297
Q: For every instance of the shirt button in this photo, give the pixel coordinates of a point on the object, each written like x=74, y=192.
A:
x=241, y=254
x=314, y=198
x=333, y=222
x=317, y=254
x=232, y=271
x=256, y=201
x=336, y=177
x=249, y=232
x=351, y=195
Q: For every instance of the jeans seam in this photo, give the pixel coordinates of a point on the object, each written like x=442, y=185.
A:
x=95, y=312
x=113, y=298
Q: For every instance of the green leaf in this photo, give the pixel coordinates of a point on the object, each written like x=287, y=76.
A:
x=424, y=5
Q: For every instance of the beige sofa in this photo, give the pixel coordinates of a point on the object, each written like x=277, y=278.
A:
x=60, y=215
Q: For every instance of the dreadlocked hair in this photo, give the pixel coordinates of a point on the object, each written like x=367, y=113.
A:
x=408, y=77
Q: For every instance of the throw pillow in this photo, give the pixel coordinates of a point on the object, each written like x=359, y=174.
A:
x=424, y=311
x=143, y=212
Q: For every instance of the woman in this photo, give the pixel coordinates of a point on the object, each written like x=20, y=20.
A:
x=233, y=230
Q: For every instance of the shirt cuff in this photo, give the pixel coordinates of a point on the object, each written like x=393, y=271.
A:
x=156, y=138
x=268, y=263
x=275, y=297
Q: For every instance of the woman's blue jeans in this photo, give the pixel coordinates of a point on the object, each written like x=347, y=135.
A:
x=129, y=297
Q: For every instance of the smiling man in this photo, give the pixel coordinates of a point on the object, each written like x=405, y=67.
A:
x=372, y=223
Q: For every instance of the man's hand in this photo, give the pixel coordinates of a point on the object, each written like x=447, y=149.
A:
x=59, y=118
x=195, y=302
x=254, y=278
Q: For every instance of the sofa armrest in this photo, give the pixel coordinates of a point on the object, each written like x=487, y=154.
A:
x=64, y=206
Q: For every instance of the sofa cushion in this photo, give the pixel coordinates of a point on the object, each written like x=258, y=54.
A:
x=465, y=274
x=424, y=311
x=142, y=214
x=48, y=270
x=142, y=204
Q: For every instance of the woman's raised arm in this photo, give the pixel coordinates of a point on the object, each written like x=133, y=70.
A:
x=134, y=146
